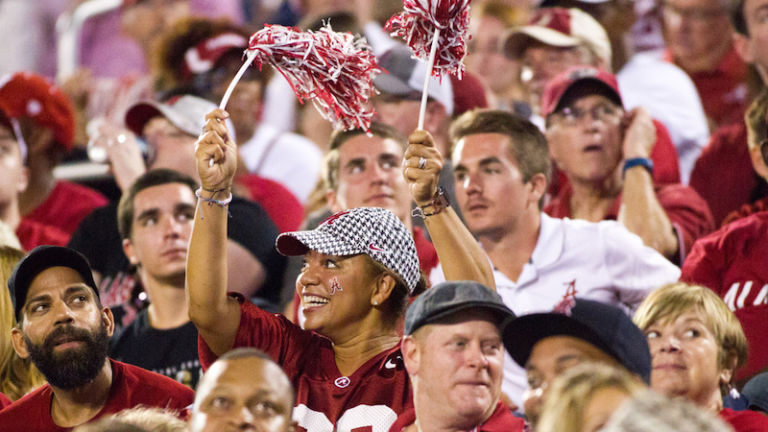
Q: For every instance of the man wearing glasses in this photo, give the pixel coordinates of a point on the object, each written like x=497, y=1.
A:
x=603, y=152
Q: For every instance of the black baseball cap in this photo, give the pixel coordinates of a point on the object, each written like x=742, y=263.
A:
x=447, y=298
x=606, y=327
x=42, y=258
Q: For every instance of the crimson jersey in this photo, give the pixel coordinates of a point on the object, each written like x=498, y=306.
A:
x=731, y=261
x=501, y=420
x=66, y=206
x=744, y=421
x=686, y=210
x=131, y=386
x=369, y=400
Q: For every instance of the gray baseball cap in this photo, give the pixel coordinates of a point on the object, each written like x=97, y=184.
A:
x=373, y=231
x=450, y=297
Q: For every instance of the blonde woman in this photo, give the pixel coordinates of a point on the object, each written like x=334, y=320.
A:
x=696, y=345
x=583, y=398
x=17, y=376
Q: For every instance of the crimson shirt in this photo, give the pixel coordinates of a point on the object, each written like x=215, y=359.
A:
x=281, y=205
x=4, y=401
x=67, y=205
x=501, y=420
x=731, y=262
x=723, y=174
x=368, y=400
x=744, y=421
x=131, y=386
x=688, y=213
x=32, y=234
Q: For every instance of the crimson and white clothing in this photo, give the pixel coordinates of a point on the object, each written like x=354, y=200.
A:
x=731, y=262
x=131, y=386
x=326, y=401
x=287, y=158
x=600, y=261
x=501, y=420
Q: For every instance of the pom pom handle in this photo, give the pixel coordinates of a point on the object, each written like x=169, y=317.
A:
x=430, y=65
x=250, y=56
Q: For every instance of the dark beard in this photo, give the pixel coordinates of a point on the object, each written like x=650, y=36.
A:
x=75, y=367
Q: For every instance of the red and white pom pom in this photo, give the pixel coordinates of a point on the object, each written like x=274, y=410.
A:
x=417, y=24
x=333, y=70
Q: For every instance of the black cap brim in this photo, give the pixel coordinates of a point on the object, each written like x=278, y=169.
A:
x=526, y=331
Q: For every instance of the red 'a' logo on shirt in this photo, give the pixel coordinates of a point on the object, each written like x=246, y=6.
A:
x=569, y=299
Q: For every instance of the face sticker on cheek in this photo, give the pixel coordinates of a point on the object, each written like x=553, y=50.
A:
x=335, y=285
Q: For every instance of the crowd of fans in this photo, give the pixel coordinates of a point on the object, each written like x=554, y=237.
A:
x=573, y=241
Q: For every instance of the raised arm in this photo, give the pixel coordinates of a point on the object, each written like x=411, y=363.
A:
x=641, y=211
x=460, y=254
x=215, y=315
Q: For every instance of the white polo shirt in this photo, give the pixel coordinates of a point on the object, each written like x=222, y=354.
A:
x=600, y=261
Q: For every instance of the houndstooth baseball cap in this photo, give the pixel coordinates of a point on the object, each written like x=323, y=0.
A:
x=373, y=231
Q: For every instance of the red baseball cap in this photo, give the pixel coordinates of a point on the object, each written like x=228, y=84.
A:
x=559, y=27
x=203, y=57
x=27, y=95
x=576, y=77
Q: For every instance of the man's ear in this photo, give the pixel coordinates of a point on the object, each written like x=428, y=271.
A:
x=332, y=198
x=411, y=356
x=130, y=252
x=538, y=185
x=109, y=320
x=19, y=344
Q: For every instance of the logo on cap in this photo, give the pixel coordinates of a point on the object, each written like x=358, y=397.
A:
x=332, y=218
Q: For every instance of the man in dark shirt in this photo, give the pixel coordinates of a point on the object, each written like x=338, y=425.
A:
x=154, y=218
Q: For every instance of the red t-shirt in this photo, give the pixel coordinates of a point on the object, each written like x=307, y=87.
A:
x=501, y=420
x=281, y=205
x=723, y=174
x=687, y=212
x=32, y=234
x=131, y=386
x=723, y=90
x=368, y=400
x=744, y=421
x=758, y=206
x=67, y=205
x=731, y=262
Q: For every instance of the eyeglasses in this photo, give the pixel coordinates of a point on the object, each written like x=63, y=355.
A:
x=694, y=14
x=571, y=115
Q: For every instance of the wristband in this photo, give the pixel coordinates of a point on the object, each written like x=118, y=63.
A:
x=646, y=163
x=438, y=204
x=212, y=200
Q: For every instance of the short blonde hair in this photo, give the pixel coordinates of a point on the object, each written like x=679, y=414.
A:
x=139, y=418
x=572, y=391
x=667, y=303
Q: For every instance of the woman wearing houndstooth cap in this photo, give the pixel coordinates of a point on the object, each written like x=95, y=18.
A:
x=360, y=266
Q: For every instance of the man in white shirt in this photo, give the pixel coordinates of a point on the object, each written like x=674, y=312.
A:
x=501, y=167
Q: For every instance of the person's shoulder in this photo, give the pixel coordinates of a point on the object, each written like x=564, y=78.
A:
x=149, y=383
x=30, y=405
x=744, y=421
x=85, y=196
